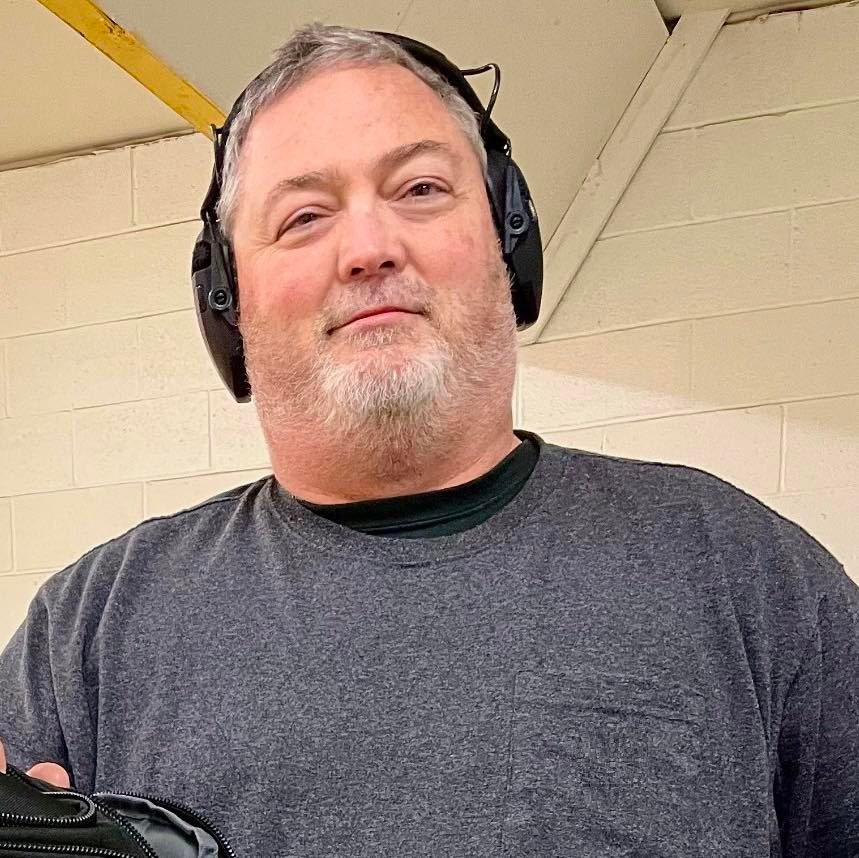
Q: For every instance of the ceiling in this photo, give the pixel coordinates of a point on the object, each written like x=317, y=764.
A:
x=740, y=9
x=59, y=95
x=568, y=73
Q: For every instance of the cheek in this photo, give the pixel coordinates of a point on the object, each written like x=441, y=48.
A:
x=270, y=287
x=452, y=252
x=457, y=262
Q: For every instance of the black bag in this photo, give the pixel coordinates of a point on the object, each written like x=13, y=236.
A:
x=39, y=820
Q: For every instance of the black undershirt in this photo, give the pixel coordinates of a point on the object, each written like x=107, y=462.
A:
x=444, y=511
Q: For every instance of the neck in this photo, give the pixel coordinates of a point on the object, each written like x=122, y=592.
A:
x=343, y=470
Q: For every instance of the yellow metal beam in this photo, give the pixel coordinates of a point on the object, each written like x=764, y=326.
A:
x=133, y=56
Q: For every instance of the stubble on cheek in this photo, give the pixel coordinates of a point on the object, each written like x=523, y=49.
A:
x=281, y=365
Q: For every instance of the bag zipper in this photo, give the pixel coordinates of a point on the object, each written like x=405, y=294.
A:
x=91, y=804
x=49, y=847
x=53, y=821
x=204, y=821
x=58, y=821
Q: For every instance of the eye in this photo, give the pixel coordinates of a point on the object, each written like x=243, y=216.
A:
x=420, y=186
x=299, y=222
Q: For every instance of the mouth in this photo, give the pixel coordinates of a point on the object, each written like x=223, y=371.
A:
x=376, y=316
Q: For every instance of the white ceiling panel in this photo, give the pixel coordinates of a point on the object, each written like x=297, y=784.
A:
x=568, y=69
x=58, y=94
x=739, y=8
x=219, y=47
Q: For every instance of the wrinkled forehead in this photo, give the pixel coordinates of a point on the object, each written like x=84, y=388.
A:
x=344, y=114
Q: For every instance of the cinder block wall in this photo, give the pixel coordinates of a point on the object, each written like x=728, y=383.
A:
x=716, y=321
x=110, y=411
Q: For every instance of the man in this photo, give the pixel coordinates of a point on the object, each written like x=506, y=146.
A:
x=430, y=634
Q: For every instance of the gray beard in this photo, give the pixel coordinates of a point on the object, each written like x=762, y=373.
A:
x=387, y=404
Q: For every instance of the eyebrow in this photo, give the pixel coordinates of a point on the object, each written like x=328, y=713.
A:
x=388, y=161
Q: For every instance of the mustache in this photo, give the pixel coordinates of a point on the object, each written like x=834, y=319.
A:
x=258, y=327
x=409, y=294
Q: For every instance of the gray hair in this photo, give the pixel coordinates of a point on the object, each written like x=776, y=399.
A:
x=311, y=49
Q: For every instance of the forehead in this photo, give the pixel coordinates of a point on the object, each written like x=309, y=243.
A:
x=346, y=114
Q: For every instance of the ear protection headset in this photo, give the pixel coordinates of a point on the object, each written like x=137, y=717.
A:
x=213, y=271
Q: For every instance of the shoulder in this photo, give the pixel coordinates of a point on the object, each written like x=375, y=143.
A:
x=746, y=537
x=751, y=567
x=636, y=481
x=189, y=533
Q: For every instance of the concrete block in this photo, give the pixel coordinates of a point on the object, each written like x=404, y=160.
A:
x=822, y=444
x=674, y=274
x=569, y=383
x=137, y=274
x=16, y=593
x=134, y=441
x=830, y=516
x=5, y=534
x=164, y=497
x=35, y=454
x=173, y=356
x=783, y=61
x=744, y=166
x=777, y=355
x=237, y=439
x=660, y=192
x=3, y=389
x=776, y=161
x=40, y=373
x=171, y=177
x=577, y=439
x=104, y=280
x=32, y=295
x=94, y=365
x=825, y=160
x=824, y=66
x=742, y=447
x=41, y=369
x=825, y=250
x=53, y=530
x=748, y=70
x=78, y=198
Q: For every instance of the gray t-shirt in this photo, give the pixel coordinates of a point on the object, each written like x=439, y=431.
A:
x=627, y=659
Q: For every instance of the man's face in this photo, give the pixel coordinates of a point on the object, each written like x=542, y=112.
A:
x=359, y=190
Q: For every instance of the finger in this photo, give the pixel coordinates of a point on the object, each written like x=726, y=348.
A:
x=2, y=759
x=51, y=773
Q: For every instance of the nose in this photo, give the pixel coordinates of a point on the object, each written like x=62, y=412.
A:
x=370, y=245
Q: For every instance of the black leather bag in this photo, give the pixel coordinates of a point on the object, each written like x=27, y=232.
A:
x=39, y=820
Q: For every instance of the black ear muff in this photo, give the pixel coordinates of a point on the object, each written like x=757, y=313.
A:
x=519, y=234
x=213, y=273
x=215, y=300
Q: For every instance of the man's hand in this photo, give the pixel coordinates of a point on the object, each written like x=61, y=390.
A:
x=49, y=772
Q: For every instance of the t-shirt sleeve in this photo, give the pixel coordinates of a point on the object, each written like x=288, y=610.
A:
x=816, y=784
x=29, y=721
x=45, y=710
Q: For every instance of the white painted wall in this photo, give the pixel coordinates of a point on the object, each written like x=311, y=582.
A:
x=110, y=411
x=715, y=323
